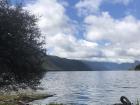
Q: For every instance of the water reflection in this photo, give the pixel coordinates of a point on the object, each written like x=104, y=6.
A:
x=91, y=87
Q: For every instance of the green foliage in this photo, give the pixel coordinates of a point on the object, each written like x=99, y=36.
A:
x=21, y=51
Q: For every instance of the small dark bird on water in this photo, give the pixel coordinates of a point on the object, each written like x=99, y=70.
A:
x=124, y=100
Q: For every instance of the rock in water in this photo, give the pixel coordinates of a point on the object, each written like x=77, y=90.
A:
x=124, y=100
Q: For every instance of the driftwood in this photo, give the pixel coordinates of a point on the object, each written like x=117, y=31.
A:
x=124, y=100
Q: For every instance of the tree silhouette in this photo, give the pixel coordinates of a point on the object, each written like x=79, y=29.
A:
x=21, y=51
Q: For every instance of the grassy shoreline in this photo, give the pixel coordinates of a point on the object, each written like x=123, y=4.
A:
x=14, y=99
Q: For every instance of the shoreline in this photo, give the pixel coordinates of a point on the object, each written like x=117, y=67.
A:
x=22, y=98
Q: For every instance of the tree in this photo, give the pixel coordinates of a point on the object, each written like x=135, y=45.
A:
x=21, y=51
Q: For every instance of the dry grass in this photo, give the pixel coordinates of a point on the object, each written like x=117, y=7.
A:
x=13, y=99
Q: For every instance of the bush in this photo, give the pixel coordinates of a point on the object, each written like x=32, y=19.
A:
x=21, y=51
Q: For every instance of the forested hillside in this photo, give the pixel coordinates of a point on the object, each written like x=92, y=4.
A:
x=57, y=63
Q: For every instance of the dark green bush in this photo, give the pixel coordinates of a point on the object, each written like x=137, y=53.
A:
x=21, y=51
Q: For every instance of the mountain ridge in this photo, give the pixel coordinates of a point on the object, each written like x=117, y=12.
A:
x=54, y=63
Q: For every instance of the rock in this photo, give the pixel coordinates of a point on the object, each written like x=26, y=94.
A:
x=124, y=100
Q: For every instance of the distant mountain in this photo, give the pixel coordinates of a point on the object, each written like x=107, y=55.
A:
x=56, y=63
x=109, y=65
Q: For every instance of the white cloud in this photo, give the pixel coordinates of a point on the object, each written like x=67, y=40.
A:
x=120, y=37
x=123, y=35
x=70, y=47
x=86, y=7
x=60, y=30
x=125, y=2
x=52, y=16
x=53, y=20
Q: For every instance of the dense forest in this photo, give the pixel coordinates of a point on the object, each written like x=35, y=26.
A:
x=21, y=51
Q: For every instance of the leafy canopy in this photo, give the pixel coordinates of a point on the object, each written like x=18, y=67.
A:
x=21, y=51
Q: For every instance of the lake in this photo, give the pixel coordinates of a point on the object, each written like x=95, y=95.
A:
x=90, y=87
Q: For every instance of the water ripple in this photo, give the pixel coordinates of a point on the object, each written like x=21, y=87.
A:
x=90, y=87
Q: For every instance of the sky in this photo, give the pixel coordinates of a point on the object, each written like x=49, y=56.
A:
x=100, y=30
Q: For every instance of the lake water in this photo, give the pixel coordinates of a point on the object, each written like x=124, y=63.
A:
x=90, y=87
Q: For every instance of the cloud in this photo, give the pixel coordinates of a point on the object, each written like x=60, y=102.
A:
x=53, y=20
x=122, y=34
x=125, y=2
x=70, y=47
x=105, y=38
x=52, y=16
x=86, y=7
x=60, y=30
